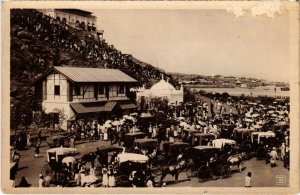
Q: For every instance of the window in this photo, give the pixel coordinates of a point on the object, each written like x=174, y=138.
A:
x=121, y=89
x=56, y=90
x=101, y=89
x=113, y=91
x=77, y=90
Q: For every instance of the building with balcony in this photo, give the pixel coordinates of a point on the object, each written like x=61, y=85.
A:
x=76, y=18
x=95, y=93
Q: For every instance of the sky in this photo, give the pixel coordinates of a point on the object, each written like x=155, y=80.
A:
x=204, y=42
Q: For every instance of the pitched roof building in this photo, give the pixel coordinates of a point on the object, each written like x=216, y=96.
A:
x=84, y=92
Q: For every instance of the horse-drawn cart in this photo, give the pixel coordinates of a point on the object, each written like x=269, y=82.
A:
x=58, y=166
x=206, y=163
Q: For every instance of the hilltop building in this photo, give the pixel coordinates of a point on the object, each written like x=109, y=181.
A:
x=76, y=18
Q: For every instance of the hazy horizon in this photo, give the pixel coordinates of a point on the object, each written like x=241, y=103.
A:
x=204, y=42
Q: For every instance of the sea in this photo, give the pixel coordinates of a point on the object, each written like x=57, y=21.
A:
x=254, y=92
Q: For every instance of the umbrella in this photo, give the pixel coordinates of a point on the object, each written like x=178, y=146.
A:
x=182, y=124
x=146, y=115
x=107, y=125
x=255, y=115
x=252, y=103
x=125, y=116
x=122, y=121
x=108, y=121
x=274, y=115
x=202, y=123
x=116, y=123
x=248, y=114
x=248, y=120
x=257, y=126
x=69, y=159
x=181, y=118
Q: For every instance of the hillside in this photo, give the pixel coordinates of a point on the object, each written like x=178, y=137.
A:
x=39, y=42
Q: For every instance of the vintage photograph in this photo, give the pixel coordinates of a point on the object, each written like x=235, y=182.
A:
x=159, y=98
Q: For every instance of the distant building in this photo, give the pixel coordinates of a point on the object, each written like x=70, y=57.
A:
x=84, y=92
x=76, y=18
x=238, y=83
x=162, y=89
x=243, y=85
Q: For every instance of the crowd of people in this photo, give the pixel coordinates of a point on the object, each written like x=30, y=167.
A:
x=29, y=25
x=216, y=117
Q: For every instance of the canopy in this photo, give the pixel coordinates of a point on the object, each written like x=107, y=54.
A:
x=205, y=148
x=146, y=141
x=219, y=143
x=62, y=151
x=262, y=134
x=133, y=157
x=109, y=148
x=177, y=145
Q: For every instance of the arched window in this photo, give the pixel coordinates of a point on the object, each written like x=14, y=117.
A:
x=77, y=24
x=82, y=25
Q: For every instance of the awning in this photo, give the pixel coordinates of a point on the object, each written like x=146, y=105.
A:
x=90, y=107
x=81, y=108
x=109, y=106
x=127, y=105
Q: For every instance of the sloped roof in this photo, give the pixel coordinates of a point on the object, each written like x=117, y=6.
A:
x=78, y=74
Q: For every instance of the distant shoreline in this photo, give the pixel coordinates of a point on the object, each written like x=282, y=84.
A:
x=255, y=92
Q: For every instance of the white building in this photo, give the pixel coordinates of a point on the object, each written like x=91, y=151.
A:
x=162, y=89
x=73, y=92
x=76, y=18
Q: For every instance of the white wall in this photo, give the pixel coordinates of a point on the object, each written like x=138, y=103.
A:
x=88, y=95
x=72, y=18
x=63, y=106
x=57, y=79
